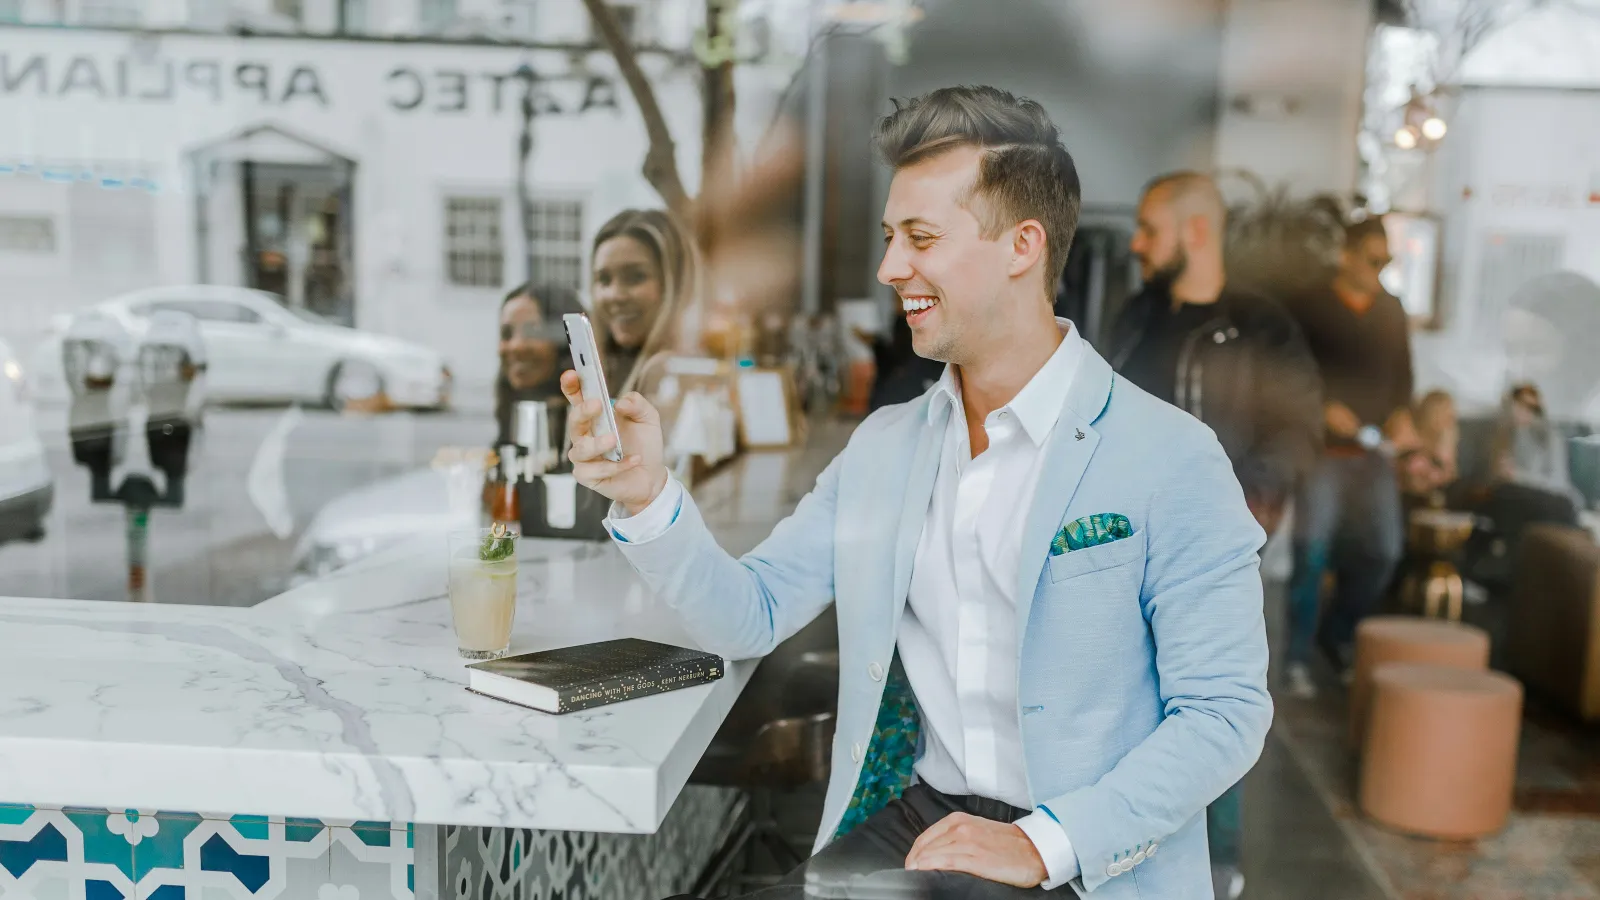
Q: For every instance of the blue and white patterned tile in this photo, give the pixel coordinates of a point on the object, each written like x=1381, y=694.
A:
x=95, y=854
x=86, y=853
x=373, y=861
x=266, y=857
x=89, y=854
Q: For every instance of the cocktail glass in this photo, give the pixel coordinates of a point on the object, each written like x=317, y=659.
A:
x=483, y=590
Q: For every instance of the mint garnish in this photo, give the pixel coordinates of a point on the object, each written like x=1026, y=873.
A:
x=497, y=545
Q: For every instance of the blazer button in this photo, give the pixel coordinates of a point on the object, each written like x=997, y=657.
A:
x=1150, y=851
x=1112, y=871
x=875, y=672
x=1140, y=857
x=856, y=752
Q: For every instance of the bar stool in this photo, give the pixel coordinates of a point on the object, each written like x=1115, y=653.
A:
x=789, y=750
x=1432, y=585
x=1386, y=639
x=1441, y=751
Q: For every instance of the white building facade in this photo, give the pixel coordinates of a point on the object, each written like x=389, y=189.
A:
x=371, y=180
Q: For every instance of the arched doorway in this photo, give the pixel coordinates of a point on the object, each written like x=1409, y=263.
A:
x=274, y=211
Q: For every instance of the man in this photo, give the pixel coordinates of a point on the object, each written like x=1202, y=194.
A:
x=1046, y=580
x=1234, y=361
x=1358, y=333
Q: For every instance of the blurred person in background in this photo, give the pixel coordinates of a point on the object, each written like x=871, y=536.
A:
x=1528, y=448
x=644, y=287
x=1431, y=465
x=1233, y=360
x=1359, y=334
x=533, y=354
x=1529, y=483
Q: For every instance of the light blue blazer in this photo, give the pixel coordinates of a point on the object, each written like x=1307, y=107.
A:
x=1142, y=690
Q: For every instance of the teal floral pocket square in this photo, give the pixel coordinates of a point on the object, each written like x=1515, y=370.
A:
x=1091, y=531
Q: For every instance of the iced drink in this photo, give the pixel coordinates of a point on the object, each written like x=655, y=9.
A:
x=483, y=590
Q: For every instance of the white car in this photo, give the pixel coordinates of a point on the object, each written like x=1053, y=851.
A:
x=261, y=351
x=26, y=486
x=372, y=518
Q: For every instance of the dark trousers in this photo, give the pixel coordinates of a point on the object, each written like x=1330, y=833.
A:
x=869, y=862
x=1224, y=830
x=1347, y=516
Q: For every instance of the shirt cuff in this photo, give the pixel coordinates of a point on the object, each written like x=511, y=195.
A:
x=1055, y=848
x=652, y=521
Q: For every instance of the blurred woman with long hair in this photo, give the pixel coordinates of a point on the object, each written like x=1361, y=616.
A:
x=533, y=354
x=645, y=287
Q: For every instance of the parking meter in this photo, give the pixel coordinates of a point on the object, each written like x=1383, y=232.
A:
x=171, y=366
x=121, y=385
x=94, y=350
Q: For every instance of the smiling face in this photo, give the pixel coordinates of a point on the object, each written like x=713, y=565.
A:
x=628, y=288
x=528, y=345
x=951, y=280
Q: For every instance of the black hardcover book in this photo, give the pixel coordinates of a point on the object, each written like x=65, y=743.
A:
x=588, y=675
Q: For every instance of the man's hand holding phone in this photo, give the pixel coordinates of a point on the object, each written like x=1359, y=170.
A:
x=642, y=474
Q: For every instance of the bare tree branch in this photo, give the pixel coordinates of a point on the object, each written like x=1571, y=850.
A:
x=1462, y=25
x=660, y=160
x=717, y=140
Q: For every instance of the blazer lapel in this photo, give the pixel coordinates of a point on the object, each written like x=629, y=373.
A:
x=1067, y=452
x=919, y=492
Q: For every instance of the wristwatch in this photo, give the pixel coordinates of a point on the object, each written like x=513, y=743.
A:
x=1369, y=437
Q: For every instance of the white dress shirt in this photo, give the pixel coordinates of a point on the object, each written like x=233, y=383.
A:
x=957, y=636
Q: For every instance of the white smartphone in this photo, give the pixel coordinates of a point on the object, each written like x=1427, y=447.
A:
x=586, y=360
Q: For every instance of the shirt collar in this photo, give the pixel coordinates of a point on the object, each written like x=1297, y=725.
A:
x=1038, y=405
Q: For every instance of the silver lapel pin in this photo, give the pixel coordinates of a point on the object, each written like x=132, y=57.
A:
x=1078, y=433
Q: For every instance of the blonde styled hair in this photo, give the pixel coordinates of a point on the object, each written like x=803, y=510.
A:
x=677, y=324
x=1024, y=173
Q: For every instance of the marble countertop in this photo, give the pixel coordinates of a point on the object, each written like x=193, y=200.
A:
x=345, y=699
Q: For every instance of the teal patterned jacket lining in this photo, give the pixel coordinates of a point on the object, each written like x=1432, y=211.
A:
x=886, y=770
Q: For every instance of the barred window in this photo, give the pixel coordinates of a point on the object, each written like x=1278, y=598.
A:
x=112, y=13
x=474, y=246
x=435, y=16
x=27, y=234
x=353, y=17
x=557, y=232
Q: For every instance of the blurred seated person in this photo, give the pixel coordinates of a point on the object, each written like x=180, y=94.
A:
x=1530, y=484
x=533, y=354
x=1427, y=449
x=1528, y=448
x=644, y=288
x=1359, y=334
